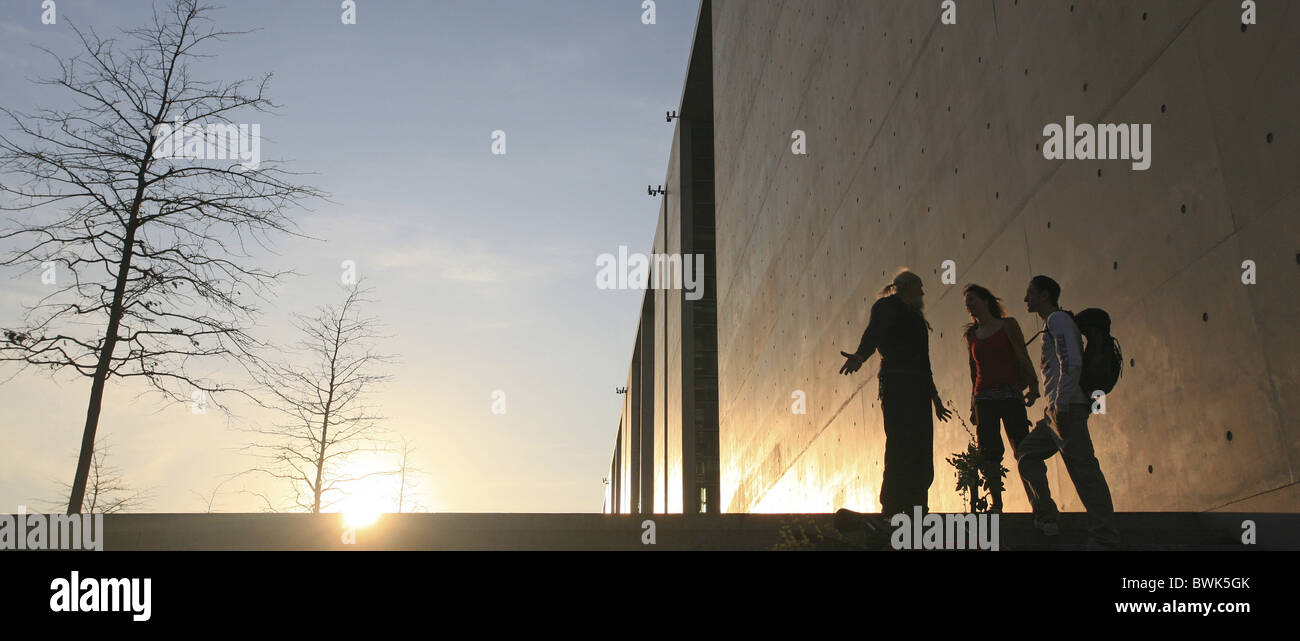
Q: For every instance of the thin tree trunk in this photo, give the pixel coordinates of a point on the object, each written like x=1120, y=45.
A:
x=115, y=313
x=320, y=459
x=401, y=489
x=325, y=422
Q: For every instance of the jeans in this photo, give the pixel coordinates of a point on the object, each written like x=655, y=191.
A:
x=1010, y=413
x=909, y=447
x=1067, y=433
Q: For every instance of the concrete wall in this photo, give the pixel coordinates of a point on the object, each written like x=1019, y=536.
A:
x=922, y=147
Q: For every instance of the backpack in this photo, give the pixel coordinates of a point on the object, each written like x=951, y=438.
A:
x=1103, y=360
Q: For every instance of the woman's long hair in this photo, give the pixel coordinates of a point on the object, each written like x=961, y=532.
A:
x=994, y=303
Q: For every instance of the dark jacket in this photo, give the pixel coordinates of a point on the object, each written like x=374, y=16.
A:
x=902, y=337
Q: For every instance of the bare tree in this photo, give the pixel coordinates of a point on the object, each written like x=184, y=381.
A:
x=107, y=491
x=152, y=248
x=323, y=404
x=210, y=499
x=407, y=483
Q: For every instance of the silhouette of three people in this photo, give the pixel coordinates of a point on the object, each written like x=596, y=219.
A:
x=1003, y=385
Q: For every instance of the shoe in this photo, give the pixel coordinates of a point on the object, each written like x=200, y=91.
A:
x=878, y=526
x=884, y=522
x=1048, y=528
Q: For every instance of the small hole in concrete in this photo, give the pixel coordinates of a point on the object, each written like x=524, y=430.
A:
x=1162, y=108
x=1151, y=469
x=1085, y=86
x=1115, y=265
x=1243, y=28
x=1205, y=317
x=1099, y=173
x=997, y=194
x=1049, y=224
x=1229, y=435
x=1008, y=268
x=1131, y=363
x=1182, y=209
x=1269, y=138
x=1297, y=256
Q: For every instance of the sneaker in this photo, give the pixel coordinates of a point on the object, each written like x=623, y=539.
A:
x=1048, y=528
x=882, y=524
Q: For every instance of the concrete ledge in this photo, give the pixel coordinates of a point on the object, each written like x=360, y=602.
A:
x=1141, y=531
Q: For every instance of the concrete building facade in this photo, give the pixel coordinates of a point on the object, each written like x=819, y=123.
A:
x=923, y=146
x=666, y=453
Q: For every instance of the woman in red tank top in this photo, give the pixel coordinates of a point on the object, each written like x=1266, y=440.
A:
x=1000, y=370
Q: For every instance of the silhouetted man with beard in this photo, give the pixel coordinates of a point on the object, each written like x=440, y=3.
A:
x=899, y=331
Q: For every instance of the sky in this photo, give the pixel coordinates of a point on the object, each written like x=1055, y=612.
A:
x=483, y=266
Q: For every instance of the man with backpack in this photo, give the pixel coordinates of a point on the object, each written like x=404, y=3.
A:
x=1064, y=427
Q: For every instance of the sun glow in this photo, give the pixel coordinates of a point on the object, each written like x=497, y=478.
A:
x=374, y=489
x=371, y=492
x=359, y=515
